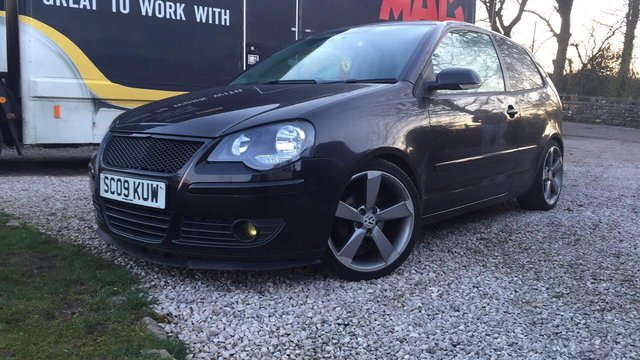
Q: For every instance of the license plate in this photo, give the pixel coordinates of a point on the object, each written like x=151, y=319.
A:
x=133, y=191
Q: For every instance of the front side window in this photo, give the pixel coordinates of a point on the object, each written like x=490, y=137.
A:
x=470, y=50
x=366, y=53
x=523, y=72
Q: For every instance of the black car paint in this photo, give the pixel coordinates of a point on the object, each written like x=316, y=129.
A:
x=443, y=142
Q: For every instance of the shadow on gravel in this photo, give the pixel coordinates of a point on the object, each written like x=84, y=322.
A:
x=51, y=161
x=53, y=167
x=474, y=216
x=248, y=280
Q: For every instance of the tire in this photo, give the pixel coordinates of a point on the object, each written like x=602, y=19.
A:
x=377, y=223
x=547, y=185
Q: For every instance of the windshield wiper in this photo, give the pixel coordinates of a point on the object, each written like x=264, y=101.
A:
x=372, y=81
x=291, y=82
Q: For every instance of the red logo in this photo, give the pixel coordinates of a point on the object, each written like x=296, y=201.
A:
x=412, y=10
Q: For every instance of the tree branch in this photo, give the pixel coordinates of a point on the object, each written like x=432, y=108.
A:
x=583, y=63
x=521, y=9
x=546, y=21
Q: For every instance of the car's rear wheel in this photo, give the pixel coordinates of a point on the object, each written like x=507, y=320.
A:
x=376, y=223
x=547, y=186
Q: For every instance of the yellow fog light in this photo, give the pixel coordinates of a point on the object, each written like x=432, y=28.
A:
x=250, y=230
x=245, y=230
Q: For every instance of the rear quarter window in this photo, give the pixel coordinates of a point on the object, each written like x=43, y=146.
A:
x=523, y=72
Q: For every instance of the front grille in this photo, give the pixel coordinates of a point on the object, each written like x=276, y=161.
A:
x=138, y=223
x=166, y=156
x=199, y=231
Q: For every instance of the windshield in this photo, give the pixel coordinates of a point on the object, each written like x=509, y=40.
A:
x=362, y=54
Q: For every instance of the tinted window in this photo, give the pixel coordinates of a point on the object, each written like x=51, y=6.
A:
x=357, y=54
x=471, y=50
x=523, y=72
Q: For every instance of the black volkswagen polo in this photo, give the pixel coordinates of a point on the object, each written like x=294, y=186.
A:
x=334, y=150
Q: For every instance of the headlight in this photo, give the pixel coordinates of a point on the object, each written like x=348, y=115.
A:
x=266, y=147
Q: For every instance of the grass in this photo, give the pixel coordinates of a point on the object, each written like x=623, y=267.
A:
x=59, y=302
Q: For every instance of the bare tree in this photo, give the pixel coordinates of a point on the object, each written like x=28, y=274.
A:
x=563, y=36
x=496, y=11
x=593, y=50
x=631, y=22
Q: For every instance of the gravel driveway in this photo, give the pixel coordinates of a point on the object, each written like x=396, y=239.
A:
x=501, y=283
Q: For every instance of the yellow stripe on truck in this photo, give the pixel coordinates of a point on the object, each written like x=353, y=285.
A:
x=94, y=79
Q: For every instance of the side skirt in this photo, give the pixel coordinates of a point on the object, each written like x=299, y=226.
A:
x=447, y=214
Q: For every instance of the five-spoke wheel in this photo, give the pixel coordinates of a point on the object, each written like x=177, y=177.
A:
x=544, y=193
x=552, y=175
x=374, y=223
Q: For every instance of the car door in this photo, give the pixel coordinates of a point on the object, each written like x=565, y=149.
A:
x=528, y=87
x=470, y=133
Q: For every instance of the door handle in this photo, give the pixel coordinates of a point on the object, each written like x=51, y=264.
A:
x=512, y=112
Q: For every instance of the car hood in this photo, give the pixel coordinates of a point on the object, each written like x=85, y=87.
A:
x=212, y=112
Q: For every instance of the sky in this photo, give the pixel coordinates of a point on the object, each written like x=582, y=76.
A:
x=586, y=14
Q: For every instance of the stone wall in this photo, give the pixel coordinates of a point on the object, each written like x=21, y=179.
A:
x=605, y=111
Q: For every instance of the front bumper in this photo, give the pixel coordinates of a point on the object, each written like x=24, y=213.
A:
x=297, y=203
x=201, y=263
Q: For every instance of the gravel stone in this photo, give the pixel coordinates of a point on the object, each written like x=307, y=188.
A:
x=161, y=354
x=154, y=328
x=499, y=283
x=13, y=223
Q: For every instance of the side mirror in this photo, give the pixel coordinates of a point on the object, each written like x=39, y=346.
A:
x=455, y=79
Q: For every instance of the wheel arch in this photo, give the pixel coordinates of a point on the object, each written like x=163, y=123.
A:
x=399, y=159
x=553, y=137
x=557, y=137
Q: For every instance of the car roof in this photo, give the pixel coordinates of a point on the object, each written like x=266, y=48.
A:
x=443, y=25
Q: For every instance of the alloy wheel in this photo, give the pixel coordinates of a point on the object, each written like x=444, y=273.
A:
x=373, y=222
x=552, y=175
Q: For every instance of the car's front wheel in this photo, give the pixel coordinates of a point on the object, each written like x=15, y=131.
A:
x=376, y=223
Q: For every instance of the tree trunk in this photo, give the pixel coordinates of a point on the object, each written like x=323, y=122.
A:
x=633, y=13
x=491, y=6
x=564, y=10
